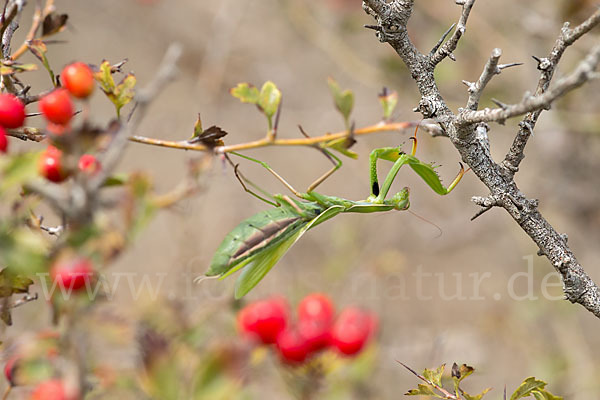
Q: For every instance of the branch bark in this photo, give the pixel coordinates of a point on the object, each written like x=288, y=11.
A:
x=467, y=130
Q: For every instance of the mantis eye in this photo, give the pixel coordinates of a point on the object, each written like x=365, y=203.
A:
x=375, y=188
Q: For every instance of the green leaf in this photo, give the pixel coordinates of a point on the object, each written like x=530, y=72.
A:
x=246, y=92
x=530, y=384
x=197, y=128
x=342, y=145
x=104, y=77
x=116, y=180
x=18, y=170
x=543, y=394
x=39, y=49
x=8, y=68
x=120, y=94
x=23, y=250
x=434, y=375
x=389, y=101
x=124, y=92
x=423, y=390
x=11, y=283
x=269, y=99
x=476, y=397
x=344, y=100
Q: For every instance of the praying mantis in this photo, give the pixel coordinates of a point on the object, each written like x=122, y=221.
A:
x=257, y=243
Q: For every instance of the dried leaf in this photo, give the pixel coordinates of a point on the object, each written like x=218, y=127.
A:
x=54, y=23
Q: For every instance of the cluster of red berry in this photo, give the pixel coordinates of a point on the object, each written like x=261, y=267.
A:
x=268, y=321
x=57, y=108
x=40, y=353
x=12, y=116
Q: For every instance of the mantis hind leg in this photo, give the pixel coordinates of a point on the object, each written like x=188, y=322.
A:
x=275, y=174
x=245, y=182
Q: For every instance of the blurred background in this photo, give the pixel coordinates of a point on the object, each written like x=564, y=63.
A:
x=477, y=294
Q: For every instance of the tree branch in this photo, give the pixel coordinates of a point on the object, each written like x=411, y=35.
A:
x=547, y=65
x=470, y=139
x=583, y=73
x=447, y=48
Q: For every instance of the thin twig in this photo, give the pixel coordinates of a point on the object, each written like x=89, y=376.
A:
x=264, y=142
x=448, y=395
x=447, y=48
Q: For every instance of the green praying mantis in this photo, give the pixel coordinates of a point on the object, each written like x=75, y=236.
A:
x=257, y=243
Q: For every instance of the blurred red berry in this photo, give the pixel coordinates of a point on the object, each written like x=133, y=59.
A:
x=9, y=370
x=292, y=346
x=58, y=129
x=57, y=106
x=78, y=78
x=316, y=333
x=264, y=319
x=352, y=330
x=316, y=306
x=50, y=165
x=72, y=273
x=12, y=111
x=3, y=141
x=89, y=164
x=52, y=389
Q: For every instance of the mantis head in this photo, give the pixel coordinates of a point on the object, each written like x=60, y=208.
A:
x=400, y=200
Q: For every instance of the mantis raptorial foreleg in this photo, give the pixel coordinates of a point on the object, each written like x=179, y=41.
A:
x=399, y=158
x=245, y=181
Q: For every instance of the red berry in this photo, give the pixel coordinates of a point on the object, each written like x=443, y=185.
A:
x=89, y=164
x=264, y=319
x=78, y=78
x=9, y=370
x=352, y=330
x=50, y=165
x=316, y=306
x=12, y=111
x=3, y=140
x=72, y=273
x=316, y=333
x=57, y=106
x=58, y=129
x=292, y=346
x=52, y=389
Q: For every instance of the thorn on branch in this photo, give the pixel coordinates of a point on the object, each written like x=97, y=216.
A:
x=499, y=104
x=374, y=27
x=504, y=66
x=481, y=212
x=543, y=63
x=441, y=40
